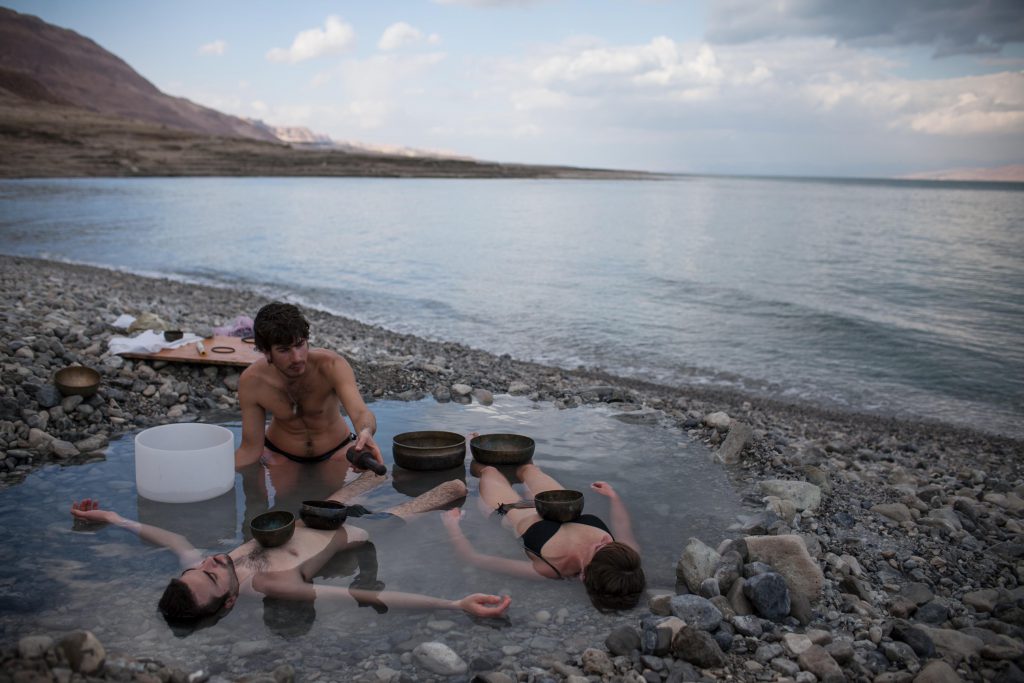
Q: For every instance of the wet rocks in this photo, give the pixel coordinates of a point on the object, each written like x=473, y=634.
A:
x=907, y=563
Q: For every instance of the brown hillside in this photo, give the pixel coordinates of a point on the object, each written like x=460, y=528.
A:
x=42, y=62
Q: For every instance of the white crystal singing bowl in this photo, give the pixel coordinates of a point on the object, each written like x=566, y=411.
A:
x=184, y=463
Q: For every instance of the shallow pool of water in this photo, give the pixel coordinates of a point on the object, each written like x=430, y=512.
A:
x=108, y=581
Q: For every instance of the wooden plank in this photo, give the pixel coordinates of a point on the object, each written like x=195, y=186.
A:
x=219, y=351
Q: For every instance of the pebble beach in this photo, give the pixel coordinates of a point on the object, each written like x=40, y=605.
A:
x=881, y=549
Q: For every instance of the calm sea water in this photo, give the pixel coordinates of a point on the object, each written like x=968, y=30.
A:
x=895, y=297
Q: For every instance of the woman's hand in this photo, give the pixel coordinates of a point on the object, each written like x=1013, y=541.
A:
x=88, y=510
x=605, y=489
x=483, y=605
x=452, y=520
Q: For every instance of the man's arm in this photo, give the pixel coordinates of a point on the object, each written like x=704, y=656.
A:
x=88, y=511
x=343, y=379
x=254, y=419
x=622, y=527
x=288, y=586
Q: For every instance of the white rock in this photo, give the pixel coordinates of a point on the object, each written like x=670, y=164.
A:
x=696, y=563
x=517, y=388
x=439, y=658
x=805, y=496
x=719, y=420
x=461, y=390
x=31, y=647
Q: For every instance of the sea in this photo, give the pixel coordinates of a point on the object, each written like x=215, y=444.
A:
x=895, y=298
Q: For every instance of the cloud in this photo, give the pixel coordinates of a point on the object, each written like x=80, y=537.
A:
x=952, y=27
x=216, y=48
x=401, y=34
x=977, y=105
x=793, y=86
x=336, y=36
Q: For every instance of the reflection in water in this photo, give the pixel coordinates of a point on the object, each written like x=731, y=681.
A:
x=109, y=581
x=207, y=524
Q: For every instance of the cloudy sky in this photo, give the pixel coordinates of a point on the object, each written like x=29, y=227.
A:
x=778, y=87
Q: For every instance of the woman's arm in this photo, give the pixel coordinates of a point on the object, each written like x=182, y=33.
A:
x=622, y=527
x=467, y=553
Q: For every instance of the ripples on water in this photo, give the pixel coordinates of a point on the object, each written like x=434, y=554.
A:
x=892, y=296
x=55, y=579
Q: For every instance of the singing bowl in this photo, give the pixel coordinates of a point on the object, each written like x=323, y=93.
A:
x=429, y=450
x=272, y=529
x=560, y=505
x=77, y=380
x=323, y=514
x=502, y=449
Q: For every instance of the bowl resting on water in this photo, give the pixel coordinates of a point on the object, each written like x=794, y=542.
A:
x=429, y=450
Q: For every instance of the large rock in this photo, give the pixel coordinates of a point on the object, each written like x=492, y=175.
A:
x=739, y=436
x=788, y=556
x=769, y=595
x=595, y=661
x=697, y=612
x=953, y=645
x=937, y=672
x=33, y=647
x=697, y=647
x=720, y=421
x=696, y=563
x=897, y=512
x=820, y=663
x=439, y=658
x=84, y=652
x=622, y=641
x=803, y=495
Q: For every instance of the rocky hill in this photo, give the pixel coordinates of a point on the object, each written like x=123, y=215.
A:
x=42, y=63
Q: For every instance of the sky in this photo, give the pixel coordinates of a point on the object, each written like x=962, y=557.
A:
x=868, y=88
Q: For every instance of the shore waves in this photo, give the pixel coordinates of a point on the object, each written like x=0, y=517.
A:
x=883, y=550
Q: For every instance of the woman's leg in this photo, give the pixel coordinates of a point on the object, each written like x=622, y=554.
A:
x=536, y=481
x=494, y=491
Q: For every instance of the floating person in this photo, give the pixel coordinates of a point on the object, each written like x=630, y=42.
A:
x=209, y=586
x=608, y=564
x=304, y=390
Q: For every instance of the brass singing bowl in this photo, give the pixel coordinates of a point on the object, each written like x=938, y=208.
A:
x=272, y=529
x=323, y=514
x=430, y=450
x=77, y=380
x=502, y=449
x=560, y=505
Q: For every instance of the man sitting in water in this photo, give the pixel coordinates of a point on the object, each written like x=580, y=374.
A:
x=610, y=569
x=209, y=586
x=304, y=390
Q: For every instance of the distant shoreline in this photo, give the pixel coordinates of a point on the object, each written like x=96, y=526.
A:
x=46, y=141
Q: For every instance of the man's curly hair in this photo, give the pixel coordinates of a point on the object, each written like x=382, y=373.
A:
x=614, y=578
x=178, y=604
x=279, y=324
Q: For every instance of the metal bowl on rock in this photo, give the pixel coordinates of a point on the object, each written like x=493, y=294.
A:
x=502, y=449
x=559, y=505
x=429, y=450
x=77, y=380
x=323, y=514
x=272, y=529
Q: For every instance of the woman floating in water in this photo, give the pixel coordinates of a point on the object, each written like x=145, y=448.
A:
x=608, y=565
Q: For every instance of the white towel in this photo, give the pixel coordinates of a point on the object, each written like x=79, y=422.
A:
x=148, y=341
